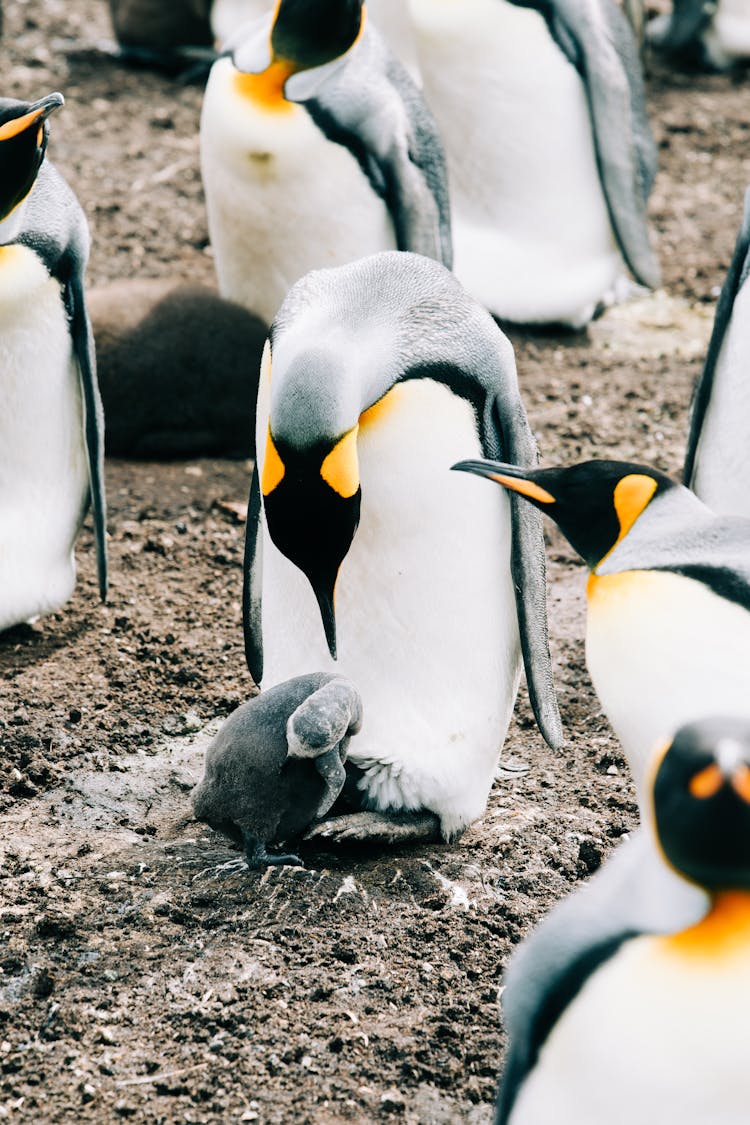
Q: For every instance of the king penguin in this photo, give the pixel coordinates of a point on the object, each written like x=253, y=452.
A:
x=542, y=112
x=316, y=149
x=52, y=427
x=668, y=621
x=717, y=465
x=629, y=1003
x=374, y=375
x=711, y=33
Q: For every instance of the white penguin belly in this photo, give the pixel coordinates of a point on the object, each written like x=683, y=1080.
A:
x=727, y=38
x=531, y=231
x=722, y=466
x=425, y=612
x=281, y=198
x=43, y=466
x=664, y=650
x=654, y=1037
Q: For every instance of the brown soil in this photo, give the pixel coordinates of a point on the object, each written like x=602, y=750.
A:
x=140, y=979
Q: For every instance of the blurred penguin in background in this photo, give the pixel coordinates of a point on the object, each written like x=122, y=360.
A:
x=541, y=108
x=316, y=149
x=717, y=465
x=714, y=34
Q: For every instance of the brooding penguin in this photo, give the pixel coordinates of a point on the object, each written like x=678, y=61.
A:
x=362, y=545
x=278, y=763
x=717, y=465
x=550, y=155
x=710, y=33
x=668, y=622
x=51, y=426
x=629, y=1003
x=316, y=149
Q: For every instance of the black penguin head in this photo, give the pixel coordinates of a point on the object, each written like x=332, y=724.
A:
x=23, y=143
x=594, y=504
x=312, y=499
x=309, y=34
x=701, y=802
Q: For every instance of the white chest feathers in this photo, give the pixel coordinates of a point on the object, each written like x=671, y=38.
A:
x=664, y=650
x=727, y=38
x=658, y=1034
x=282, y=199
x=532, y=236
x=722, y=467
x=43, y=470
x=425, y=612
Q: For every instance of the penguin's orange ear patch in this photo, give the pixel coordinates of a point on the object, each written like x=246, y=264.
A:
x=632, y=496
x=741, y=783
x=273, y=467
x=19, y=124
x=706, y=783
x=340, y=469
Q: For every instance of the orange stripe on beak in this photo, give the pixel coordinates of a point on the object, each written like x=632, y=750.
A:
x=525, y=488
x=19, y=124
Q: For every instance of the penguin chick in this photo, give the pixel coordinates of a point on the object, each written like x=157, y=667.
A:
x=364, y=552
x=629, y=1003
x=178, y=370
x=316, y=149
x=174, y=36
x=668, y=622
x=714, y=34
x=51, y=425
x=717, y=463
x=277, y=764
x=541, y=107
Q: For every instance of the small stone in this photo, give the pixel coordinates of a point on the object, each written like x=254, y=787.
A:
x=75, y=715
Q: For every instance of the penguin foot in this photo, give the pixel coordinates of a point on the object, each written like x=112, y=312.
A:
x=257, y=857
x=378, y=827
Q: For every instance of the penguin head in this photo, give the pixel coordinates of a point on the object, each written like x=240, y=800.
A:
x=595, y=504
x=701, y=803
x=309, y=35
x=310, y=478
x=23, y=143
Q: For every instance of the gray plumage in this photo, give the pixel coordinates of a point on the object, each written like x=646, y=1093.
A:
x=277, y=763
x=680, y=32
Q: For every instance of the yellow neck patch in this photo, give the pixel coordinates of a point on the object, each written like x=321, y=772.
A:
x=273, y=467
x=725, y=929
x=631, y=497
x=340, y=469
x=380, y=410
x=267, y=88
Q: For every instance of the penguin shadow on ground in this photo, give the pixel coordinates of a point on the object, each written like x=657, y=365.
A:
x=32, y=642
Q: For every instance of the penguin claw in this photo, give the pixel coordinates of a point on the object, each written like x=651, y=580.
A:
x=377, y=827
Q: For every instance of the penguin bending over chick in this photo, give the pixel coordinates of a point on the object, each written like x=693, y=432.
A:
x=316, y=149
x=542, y=112
x=668, y=621
x=717, y=464
x=277, y=764
x=629, y=1003
x=710, y=33
x=362, y=546
x=51, y=425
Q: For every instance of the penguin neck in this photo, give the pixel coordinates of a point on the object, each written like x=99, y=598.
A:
x=724, y=929
x=267, y=88
x=11, y=225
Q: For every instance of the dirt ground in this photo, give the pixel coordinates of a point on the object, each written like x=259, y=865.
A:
x=140, y=979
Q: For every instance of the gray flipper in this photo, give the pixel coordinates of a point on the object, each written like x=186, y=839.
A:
x=252, y=585
x=528, y=569
x=597, y=39
x=373, y=108
x=634, y=893
x=735, y=279
x=378, y=828
x=320, y=729
x=679, y=32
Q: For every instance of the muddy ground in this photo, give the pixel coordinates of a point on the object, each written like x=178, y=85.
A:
x=140, y=978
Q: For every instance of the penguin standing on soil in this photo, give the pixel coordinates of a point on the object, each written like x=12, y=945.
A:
x=668, y=622
x=710, y=33
x=316, y=149
x=542, y=111
x=51, y=425
x=374, y=375
x=717, y=465
x=278, y=763
x=630, y=1002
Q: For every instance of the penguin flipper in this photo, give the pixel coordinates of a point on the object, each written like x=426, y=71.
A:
x=528, y=569
x=739, y=270
x=320, y=729
x=606, y=56
x=252, y=584
x=633, y=893
x=83, y=345
x=678, y=33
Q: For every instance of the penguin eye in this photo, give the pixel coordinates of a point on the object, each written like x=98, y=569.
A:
x=340, y=469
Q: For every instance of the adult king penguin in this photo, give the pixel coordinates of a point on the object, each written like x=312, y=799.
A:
x=550, y=155
x=316, y=149
x=711, y=33
x=374, y=375
x=668, y=622
x=52, y=429
x=717, y=465
x=630, y=1002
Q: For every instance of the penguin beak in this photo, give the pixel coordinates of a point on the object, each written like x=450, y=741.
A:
x=327, y=604
x=36, y=114
x=509, y=476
